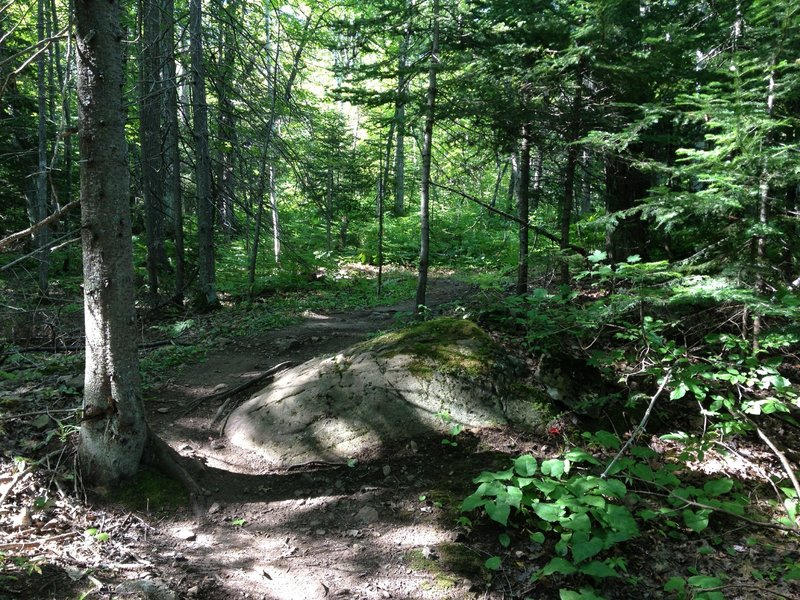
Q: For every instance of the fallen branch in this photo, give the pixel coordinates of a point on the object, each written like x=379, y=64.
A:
x=787, y=466
x=29, y=469
x=229, y=393
x=640, y=427
x=37, y=226
x=33, y=544
x=510, y=217
x=670, y=494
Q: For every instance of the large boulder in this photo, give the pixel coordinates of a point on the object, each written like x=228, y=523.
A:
x=401, y=385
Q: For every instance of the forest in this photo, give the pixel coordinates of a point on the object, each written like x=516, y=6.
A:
x=418, y=299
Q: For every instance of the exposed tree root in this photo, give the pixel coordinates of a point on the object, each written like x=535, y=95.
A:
x=160, y=455
x=227, y=394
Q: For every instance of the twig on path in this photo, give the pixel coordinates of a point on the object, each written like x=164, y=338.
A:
x=33, y=544
x=787, y=466
x=29, y=469
x=227, y=394
x=640, y=427
x=668, y=493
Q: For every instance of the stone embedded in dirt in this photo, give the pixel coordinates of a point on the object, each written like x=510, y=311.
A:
x=387, y=470
x=419, y=381
x=186, y=534
x=368, y=515
x=214, y=508
x=153, y=589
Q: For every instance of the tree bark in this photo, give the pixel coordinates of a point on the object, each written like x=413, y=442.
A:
x=625, y=186
x=114, y=430
x=523, y=209
x=205, y=210
x=400, y=125
x=150, y=143
x=226, y=125
x=172, y=181
x=425, y=187
x=568, y=199
x=42, y=237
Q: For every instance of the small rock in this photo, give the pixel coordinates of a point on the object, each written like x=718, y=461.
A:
x=193, y=591
x=385, y=594
x=23, y=519
x=218, y=445
x=386, y=470
x=356, y=533
x=368, y=515
x=220, y=387
x=413, y=446
x=154, y=589
x=186, y=535
x=214, y=508
x=320, y=532
x=163, y=410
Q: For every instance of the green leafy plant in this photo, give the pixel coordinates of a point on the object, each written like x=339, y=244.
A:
x=97, y=535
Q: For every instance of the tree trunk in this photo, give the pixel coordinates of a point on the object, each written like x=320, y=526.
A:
x=625, y=186
x=538, y=166
x=42, y=237
x=400, y=125
x=114, y=430
x=150, y=142
x=523, y=210
x=568, y=199
x=425, y=187
x=276, y=220
x=172, y=181
x=205, y=210
x=226, y=126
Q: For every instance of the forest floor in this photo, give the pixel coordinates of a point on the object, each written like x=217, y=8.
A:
x=385, y=526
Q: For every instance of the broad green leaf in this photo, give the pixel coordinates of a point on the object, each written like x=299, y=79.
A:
x=675, y=584
x=504, y=539
x=525, y=465
x=577, y=522
x=597, y=568
x=696, y=521
x=537, y=537
x=607, y=439
x=493, y=563
x=558, y=565
x=578, y=455
x=597, y=256
x=498, y=511
x=583, y=594
x=489, y=476
x=612, y=487
x=582, y=551
x=717, y=487
x=553, y=467
x=472, y=502
x=548, y=512
x=704, y=581
x=513, y=496
x=545, y=486
x=620, y=519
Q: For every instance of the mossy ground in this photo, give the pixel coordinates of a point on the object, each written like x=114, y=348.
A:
x=447, y=563
x=150, y=491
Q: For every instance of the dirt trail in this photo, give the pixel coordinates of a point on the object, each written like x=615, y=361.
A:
x=377, y=529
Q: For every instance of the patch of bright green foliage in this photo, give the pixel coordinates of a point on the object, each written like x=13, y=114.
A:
x=586, y=515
